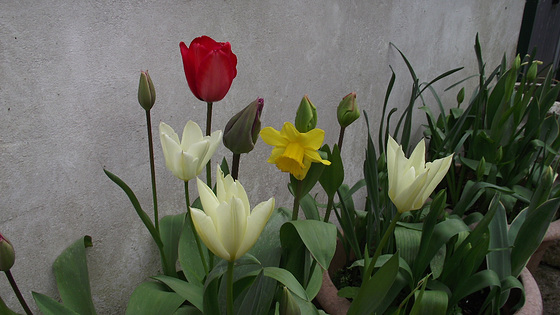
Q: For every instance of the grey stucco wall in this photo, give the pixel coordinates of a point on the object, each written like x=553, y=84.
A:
x=68, y=81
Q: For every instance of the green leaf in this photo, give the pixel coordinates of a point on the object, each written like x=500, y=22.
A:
x=498, y=258
x=531, y=234
x=333, y=175
x=287, y=279
x=408, y=243
x=259, y=296
x=72, y=279
x=474, y=283
x=186, y=290
x=317, y=236
x=141, y=213
x=153, y=298
x=373, y=292
x=432, y=302
x=170, y=228
x=189, y=257
x=47, y=306
x=5, y=310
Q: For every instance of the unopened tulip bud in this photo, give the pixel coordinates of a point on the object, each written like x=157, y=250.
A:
x=532, y=72
x=288, y=306
x=7, y=254
x=461, y=96
x=499, y=154
x=242, y=130
x=347, y=111
x=306, y=116
x=146, y=91
x=517, y=63
x=480, y=169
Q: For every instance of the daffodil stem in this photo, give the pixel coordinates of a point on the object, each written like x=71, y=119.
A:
x=380, y=246
x=235, y=166
x=197, y=239
x=17, y=292
x=297, y=196
x=152, y=168
x=229, y=290
x=330, y=203
x=208, y=131
x=341, y=137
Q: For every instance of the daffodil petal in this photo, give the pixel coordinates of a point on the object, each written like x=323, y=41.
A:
x=313, y=139
x=208, y=233
x=255, y=225
x=273, y=137
x=290, y=132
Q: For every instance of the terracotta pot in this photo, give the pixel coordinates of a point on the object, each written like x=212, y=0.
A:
x=333, y=304
x=552, y=234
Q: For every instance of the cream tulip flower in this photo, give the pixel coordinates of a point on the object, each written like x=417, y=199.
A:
x=187, y=158
x=411, y=181
x=227, y=226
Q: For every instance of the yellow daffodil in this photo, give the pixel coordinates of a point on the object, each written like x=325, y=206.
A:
x=411, y=181
x=187, y=158
x=294, y=151
x=227, y=226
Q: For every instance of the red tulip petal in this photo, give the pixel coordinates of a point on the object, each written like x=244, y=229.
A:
x=214, y=76
x=189, y=67
x=207, y=42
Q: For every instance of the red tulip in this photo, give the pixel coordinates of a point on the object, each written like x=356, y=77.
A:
x=210, y=67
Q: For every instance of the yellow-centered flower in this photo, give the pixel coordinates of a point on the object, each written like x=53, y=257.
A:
x=227, y=226
x=294, y=151
x=411, y=181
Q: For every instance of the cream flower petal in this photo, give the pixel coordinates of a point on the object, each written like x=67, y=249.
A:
x=233, y=223
x=255, y=224
x=209, y=201
x=417, y=158
x=408, y=196
x=214, y=141
x=191, y=134
x=438, y=170
x=208, y=233
x=273, y=137
x=165, y=129
x=186, y=166
x=198, y=149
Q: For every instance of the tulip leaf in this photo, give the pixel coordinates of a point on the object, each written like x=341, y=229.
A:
x=46, y=305
x=153, y=298
x=189, y=257
x=141, y=213
x=374, y=290
x=187, y=310
x=72, y=279
x=258, y=297
x=170, y=229
x=476, y=282
x=531, y=234
x=430, y=302
x=333, y=175
x=186, y=290
x=286, y=278
x=268, y=248
x=317, y=236
x=4, y=309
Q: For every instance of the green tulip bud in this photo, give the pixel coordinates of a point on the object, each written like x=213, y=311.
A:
x=347, y=111
x=306, y=115
x=146, y=91
x=499, y=154
x=288, y=306
x=242, y=130
x=480, y=169
x=517, y=63
x=7, y=254
x=532, y=72
x=461, y=96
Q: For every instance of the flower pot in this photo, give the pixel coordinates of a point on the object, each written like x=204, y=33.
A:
x=333, y=304
x=552, y=234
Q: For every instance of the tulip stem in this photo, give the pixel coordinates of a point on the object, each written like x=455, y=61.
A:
x=208, y=131
x=330, y=203
x=229, y=288
x=380, y=246
x=17, y=292
x=341, y=137
x=297, y=197
x=152, y=168
x=235, y=166
x=197, y=239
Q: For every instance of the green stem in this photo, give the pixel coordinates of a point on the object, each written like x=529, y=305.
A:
x=330, y=203
x=197, y=239
x=208, y=131
x=17, y=292
x=235, y=166
x=297, y=196
x=229, y=291
x=152, y=168
x=380, y=246
x=341, y=137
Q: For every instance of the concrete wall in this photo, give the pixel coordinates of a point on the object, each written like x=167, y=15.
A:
x=68, y=81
